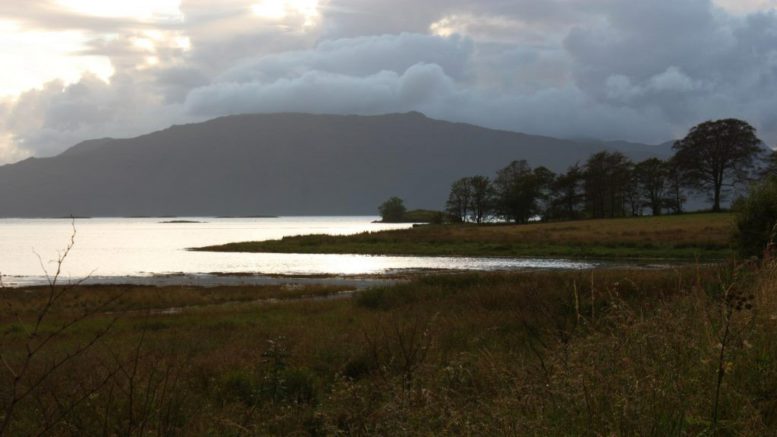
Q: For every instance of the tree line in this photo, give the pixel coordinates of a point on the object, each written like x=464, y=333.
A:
x=713, y=158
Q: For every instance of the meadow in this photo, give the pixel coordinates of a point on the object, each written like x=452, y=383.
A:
x=684, y=351
x=683, y=237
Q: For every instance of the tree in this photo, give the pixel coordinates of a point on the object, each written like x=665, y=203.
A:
x=652, y=176
x=482, y=197
x=677, y=183
x=519, y=189
x=543, y=181
x=756, y=219
x=509, y=191
x=568, y=194
x=633, y=197
x=392, y=210
x=717, y=154
x=606, y=181
x=459, y=200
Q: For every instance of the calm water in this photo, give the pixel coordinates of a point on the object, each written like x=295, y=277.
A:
x=114, y=248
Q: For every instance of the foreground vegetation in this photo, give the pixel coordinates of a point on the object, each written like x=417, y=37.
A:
x=628, y=352
x=690, y=237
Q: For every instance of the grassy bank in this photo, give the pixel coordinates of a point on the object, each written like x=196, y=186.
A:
x=626, y=352
x=692, y=236
x=419, y=216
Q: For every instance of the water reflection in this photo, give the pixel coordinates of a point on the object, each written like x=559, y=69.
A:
x=117, y=248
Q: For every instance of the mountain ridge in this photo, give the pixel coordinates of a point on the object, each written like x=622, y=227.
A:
x=278, y=164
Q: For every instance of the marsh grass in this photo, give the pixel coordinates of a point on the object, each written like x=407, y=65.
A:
x=692, y=236
x=619, y=352
x=122, y=298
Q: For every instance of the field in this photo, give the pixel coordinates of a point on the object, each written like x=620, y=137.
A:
x=688, y=237
x=687, y=351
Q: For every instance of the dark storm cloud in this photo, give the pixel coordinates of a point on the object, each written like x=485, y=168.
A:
x=686, y=59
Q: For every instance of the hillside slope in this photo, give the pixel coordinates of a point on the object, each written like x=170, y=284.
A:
x=279, y=164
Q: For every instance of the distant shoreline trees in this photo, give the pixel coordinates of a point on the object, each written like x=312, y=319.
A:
x=392, y=210
x=715, y=155
x=470, y=199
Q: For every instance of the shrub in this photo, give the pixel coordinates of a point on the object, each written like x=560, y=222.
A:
x=757, y=219
x=239, y=385
x=392, y=210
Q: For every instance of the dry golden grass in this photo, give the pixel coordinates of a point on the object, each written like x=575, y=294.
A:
x=690, y=230
x=688, y=236
x=617, y=352
x=28, y=300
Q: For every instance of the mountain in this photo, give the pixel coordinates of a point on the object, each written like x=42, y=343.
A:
x=278, y=164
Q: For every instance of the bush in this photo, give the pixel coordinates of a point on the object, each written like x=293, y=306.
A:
x=239, y=385
x=392, y=210
x=757, y=219
x=423, y=216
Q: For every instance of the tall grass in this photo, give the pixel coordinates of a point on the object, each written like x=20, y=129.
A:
x=686, y=351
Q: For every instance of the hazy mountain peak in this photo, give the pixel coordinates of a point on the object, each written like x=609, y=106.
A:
x=278, y=164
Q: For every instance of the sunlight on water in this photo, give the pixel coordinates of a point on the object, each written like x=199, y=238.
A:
x=144, y=247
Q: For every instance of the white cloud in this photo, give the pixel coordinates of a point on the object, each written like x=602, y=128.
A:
x=147, y=10
x=673, y=80
x=46, y=121
x=358, y=56
x=31, y=58
x=324, y=92
x=747, y=6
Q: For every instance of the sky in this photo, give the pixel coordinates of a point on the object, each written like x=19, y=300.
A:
x=635, y=70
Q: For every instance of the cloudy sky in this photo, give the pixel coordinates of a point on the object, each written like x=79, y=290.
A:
x=612, y=69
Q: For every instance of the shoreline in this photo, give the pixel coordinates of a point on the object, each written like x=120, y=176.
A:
x=358, y=282
x=209, y=280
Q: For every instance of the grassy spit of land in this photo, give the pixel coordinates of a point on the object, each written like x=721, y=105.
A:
x=690, y=237
x=615, y=352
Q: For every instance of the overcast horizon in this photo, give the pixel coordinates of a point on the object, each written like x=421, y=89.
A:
x=606, y=69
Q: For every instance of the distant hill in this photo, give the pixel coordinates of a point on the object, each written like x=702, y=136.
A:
x=278, y=164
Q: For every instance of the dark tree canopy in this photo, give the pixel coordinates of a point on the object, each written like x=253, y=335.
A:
x=677, y=182
x=757, y=219
x=482, y=197
x=568, y=194
x=470, y=199
x=519, y=191
x=460, y=200
x=512, y=201
x=392, y=210
x=717, y=154
x=543, y=180
x=652, y=176
x=607, y=181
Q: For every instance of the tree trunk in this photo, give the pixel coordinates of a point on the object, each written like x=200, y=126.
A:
x=716, y=201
